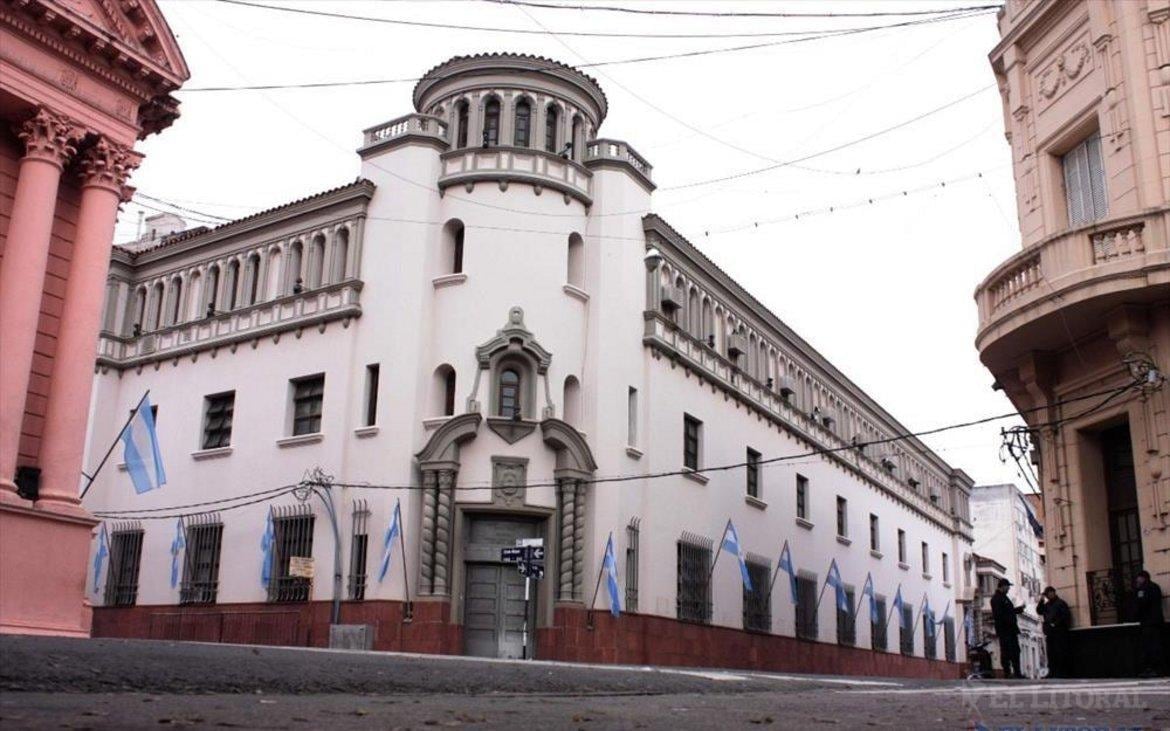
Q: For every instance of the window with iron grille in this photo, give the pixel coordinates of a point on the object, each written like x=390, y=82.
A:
x=802, y=497
x=842, y=517
x=292, y=538
x=308, y=394
x=929, y=639
x=875, y=542
x=204, y=537
x=691, y=432
x=949, y=638
x=806, y=608
x=906, y=632
x=877, y=630
x=1084, y=182
x=694, y=578
x=632, y=534
x=125, y=559
x=847, y=622
x=217, y=419
x=753, y=473
x=358, y=550
x=757, y=603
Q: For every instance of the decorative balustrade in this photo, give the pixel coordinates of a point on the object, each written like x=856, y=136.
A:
x=1016, y=281
x=1118, y=243
x=601, y=149
x=664, y=335
x=505, y=164
x=339, y=301
x=423, y=125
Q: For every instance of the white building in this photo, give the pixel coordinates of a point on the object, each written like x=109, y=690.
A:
x=489, y=320
x=1005, y=533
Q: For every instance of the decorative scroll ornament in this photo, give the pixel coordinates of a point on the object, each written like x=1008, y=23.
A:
x=108, y=164
x=49, y=136
x=1067, y=67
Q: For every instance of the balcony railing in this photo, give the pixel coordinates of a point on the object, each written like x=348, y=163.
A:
x=1075, y=260
x=505, y=164
x=317, y=306
x=419, y=125
x=616, y=150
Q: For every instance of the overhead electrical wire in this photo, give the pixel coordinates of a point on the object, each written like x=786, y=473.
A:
x=738, y=13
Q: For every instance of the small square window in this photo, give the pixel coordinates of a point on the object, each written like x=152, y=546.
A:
x=217, y=419
x=308, y=395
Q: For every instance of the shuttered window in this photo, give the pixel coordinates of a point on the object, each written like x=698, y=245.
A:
x=1084, y=182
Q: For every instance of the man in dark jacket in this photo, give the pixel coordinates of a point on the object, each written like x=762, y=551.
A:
x=1057, y=622
x=1007, y=629
x=1149, y=616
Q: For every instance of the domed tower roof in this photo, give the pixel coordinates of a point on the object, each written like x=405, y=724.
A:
x=483, y=69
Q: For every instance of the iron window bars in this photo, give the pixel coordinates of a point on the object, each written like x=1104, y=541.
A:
x=949, y=638
x=847, y=622
x=358, y=550
x=877, y=630
x=906, y=633
x=204, y=536
x=217, y=420
x=694, y=578
x=308, y=394
x=806, y=608
x=125, y=560
x=757, y=603
x=293, y=537
x=632, y=535
x=929, y=639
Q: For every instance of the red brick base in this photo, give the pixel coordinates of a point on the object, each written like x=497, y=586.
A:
x=632, y=639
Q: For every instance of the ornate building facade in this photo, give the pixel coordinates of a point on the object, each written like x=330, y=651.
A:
x=81, y=81
x=489, y=330
x=1084, y=307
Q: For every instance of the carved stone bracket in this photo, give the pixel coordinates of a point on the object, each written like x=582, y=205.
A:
x=50, y=137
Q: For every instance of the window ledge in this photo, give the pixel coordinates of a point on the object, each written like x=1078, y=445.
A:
x=211, y=453
x=449, y=280
x=926, y=576
x=363, y=432
x=300, y=439
x=875, y=553
x=698, y=477
x=904, y=566
x=806, y=524
x=634, y=452
x=755, y=502
x=574, y=291
x=947, y=584
x=845, y=540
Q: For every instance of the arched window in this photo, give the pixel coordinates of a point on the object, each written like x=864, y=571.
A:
x=576, y=268
x=194, y=295
x=340, y=255
x=175, y=295
x=578, y=138
x=451, y=254
x=551, y=118
x=680, y=314
x=316, y=262
x=508, y=394
x=523, y=134
x=212, y=287
x=572, y=402
x=253, y=279
x=275, y=272
x=156, y=307
x=139, y=310
x=461, y=124
x=694, y=321
x=294, y=281
x=443, y=391
x=491, y=123
x=708, y=321
x=233, y=283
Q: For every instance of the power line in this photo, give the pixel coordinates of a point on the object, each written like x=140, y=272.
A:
x=181, y=208
x=148, y=515
x=740, y=14
x=526, y=31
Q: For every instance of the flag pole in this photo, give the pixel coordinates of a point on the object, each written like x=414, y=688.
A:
x=718, y=550
x=776, y=573
x=921, y=612
x=596, y=590
x=91, y=478
x=408, y=609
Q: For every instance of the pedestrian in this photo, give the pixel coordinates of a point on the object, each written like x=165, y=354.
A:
x=1150, y=619
x=1057, y=621
x=1007, y=628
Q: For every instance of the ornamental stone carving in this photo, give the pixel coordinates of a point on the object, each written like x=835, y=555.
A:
x=509, y=481
x=1067, y=67
x=443, y=519
x=107, y=164
x=49, y=136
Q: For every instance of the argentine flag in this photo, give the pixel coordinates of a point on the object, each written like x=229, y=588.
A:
x=928, y=616
x=785, y=565
x=388, y=542
x=867, y=590
x=177, y=546
x=609, y=563
x=267, y=546
x=898, y=604
x=99, y=558
x=140, y=450
x=834, y=580
x=731, y=545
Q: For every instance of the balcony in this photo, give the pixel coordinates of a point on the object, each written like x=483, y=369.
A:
x=504, y=165
x=602, y=153
x=1078, y=275
x=417, y=127
x=315, y=307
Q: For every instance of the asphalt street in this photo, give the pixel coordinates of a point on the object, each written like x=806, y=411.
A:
x=126, y=684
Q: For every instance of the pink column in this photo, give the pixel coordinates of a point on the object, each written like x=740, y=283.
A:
x=105, y=167
x=48, y=139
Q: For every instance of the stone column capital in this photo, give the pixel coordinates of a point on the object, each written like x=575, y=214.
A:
x=50, y=137
x=108, y=165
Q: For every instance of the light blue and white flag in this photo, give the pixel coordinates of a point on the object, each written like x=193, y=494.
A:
x=177, y=546
x=99, y=558
x=927, y=615
x=609, y=563
x=785, y=565
x=267, y=546
x=732, y=546
x=140, y=450
x=834, y=580
x=969, y=627
x=898, y=604
x=867, y=590
x=388, y=541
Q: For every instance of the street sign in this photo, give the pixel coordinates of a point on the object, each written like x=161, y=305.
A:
x=534, y=553
x=525, y=542
x=511, y=555
x=532, y=570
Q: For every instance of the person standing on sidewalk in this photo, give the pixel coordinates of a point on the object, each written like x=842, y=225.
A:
x=1057, y=623
x=1150, y=618
x=1007, y=628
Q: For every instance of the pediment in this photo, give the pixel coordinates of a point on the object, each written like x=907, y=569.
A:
x=136, y=27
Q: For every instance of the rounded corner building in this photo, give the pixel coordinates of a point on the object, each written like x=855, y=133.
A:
x=487, y=341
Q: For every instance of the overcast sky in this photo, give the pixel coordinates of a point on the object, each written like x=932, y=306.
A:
x=883, y=290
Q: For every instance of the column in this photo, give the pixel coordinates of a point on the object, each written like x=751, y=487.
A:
x=443, y=519
x=430, y=504
x=568, y=526
x=105, y=167
x=49, y=143
x=578, y=541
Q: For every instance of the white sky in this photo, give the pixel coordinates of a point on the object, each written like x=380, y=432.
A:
x=883, y=290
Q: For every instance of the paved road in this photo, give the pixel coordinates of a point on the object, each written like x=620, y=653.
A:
x=125, y=684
